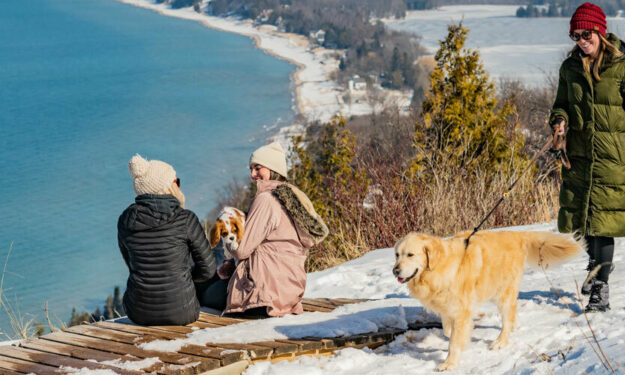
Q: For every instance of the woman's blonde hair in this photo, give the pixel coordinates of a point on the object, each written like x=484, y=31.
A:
x=587, y=60
x=273, y=175
x=176, y=192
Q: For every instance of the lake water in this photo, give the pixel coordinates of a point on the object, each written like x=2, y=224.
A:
x=86, y=84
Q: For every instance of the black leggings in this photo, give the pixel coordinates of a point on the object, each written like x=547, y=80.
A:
x=601, y=249
x=212, y=293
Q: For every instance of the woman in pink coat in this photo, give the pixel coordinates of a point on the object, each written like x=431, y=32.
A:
x=281, y=226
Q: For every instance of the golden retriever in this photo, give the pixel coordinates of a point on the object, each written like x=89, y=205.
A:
x=449, y=277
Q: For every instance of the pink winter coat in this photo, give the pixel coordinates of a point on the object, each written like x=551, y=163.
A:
x=272, y=254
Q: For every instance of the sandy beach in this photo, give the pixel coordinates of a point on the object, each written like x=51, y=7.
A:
x=318, y=97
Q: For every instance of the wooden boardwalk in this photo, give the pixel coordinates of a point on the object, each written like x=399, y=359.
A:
x=101, y=345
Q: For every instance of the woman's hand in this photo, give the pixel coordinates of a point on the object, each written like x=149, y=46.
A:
x=558, y=130
x=226, y=270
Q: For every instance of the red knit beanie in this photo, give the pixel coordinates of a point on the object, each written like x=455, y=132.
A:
x=588, y=17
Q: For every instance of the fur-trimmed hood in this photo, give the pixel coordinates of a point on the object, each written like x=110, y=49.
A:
x=301, y=210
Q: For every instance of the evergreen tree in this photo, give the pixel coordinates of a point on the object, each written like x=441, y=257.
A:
x=118, y=302
x=108, y=308
x=324, y=169
x=462, y=126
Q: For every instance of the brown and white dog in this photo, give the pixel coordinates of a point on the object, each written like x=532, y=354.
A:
x=228, y=228
x=450, y=278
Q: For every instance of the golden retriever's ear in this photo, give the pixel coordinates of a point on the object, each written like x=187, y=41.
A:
x=214, y=235
x=432, y=254
x=239, y=229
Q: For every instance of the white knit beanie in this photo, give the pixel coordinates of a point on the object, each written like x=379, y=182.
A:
x=271, y=156
x=150, y=177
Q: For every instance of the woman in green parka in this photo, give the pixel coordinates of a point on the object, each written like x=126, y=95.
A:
x=589, y=108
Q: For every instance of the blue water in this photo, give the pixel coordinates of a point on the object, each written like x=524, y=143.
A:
x=86, y=84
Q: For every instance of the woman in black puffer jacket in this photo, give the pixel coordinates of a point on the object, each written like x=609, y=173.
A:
x=164, y=247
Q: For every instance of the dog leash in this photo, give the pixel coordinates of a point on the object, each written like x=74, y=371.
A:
x=542, y=150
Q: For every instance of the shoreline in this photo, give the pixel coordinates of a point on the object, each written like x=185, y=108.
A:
x=317, y=96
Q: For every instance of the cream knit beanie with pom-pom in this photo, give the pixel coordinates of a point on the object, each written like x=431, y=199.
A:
x=151, y=177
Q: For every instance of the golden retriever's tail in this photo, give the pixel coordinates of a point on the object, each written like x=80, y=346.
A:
x=545, y=249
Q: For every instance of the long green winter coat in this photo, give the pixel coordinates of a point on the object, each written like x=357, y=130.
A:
x=592, y=197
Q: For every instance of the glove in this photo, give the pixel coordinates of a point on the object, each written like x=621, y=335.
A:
x=226, y=270
x=558, y=131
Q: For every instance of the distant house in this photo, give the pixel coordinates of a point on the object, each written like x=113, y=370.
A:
x=357, y=83
x=264, y=15
x=318, y=36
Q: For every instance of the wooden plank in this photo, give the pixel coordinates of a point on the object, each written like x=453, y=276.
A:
x=202, y=325
x=133, y=338
x=254, y=351
x=312, y=308
x=350, y=300
x=182, y=362
x=327, y=302
x=220, y=320
x=111, y=335
x=27, y=367
x=304, y=345
x=278, y=348
x=178, y=329
x=130, y=328
x=251, y=350
x=92, y=354
x=9, y=372
x=232, y=369
x=319, y=303
x=325, y=342
x=58, y=361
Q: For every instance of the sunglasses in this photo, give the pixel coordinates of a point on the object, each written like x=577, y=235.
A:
x=177, y=181
x=586, y=35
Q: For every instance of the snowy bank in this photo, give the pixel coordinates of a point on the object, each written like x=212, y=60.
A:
x=553, y=336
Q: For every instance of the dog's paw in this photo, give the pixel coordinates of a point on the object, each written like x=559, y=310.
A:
x=498, y=344
x=445, y=366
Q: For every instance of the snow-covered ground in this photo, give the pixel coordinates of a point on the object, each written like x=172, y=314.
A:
x=553, y=335
x=528, y=49
x=317, y=96
x=550, y=317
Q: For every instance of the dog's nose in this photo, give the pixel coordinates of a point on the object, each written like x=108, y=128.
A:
x=396, y=270
x=231, y=238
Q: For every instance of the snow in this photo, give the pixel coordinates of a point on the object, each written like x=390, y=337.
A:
x=347, y=320
x=529, y=49
x=553, y=335
x=550, y=322
x=131, y=365
x=85, y=371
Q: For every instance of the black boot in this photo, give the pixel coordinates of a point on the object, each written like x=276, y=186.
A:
x=587, y=285
x=599, y=297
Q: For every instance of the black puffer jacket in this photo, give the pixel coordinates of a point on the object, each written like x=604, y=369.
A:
x=160, y=241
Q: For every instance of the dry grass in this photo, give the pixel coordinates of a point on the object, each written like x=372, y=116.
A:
x=23, y=326
x=452, y=204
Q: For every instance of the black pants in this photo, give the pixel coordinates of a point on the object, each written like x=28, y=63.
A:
x=212, y=293
x=601, y=250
